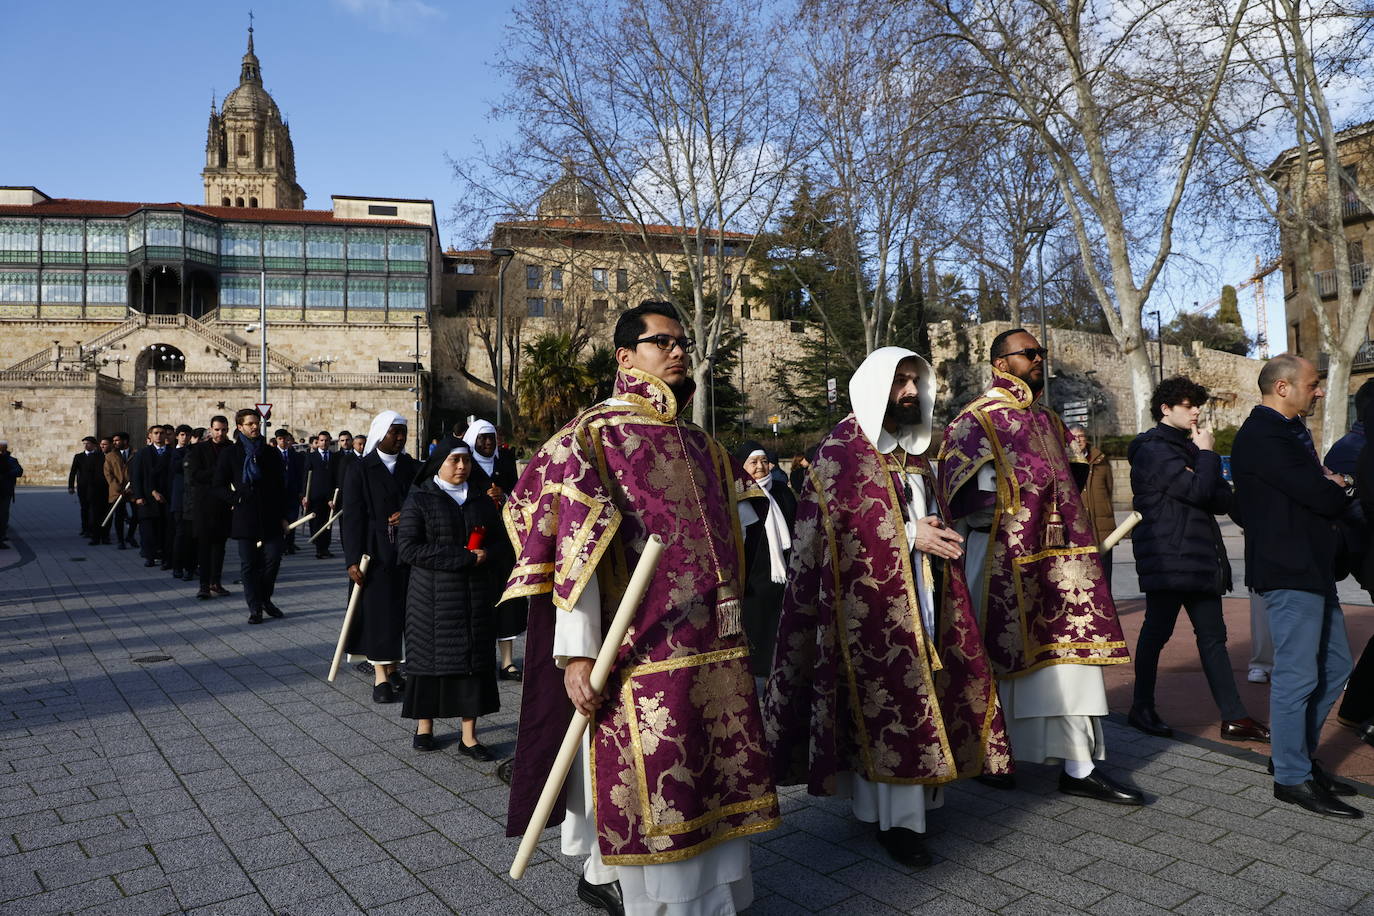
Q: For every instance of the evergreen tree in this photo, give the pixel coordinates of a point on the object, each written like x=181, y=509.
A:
x=1229, y=313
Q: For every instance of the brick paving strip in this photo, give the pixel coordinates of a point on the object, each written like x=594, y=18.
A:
x=231, y=778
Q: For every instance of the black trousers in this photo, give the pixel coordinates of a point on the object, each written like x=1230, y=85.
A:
x=122, y=521
x=321, y=509
x=96, y=510
x=152, y=529
x=183, y=544
x=83, y=496
x=5, y=516
x=1209, y=627
x=1358, y=704
x=210, y=549
x=258, y=568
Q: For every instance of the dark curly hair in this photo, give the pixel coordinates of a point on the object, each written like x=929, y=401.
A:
x=1174, y=391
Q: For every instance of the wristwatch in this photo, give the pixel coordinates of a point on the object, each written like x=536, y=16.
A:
x=1349, y=485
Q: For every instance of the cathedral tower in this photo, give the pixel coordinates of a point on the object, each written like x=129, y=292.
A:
x=249, y=160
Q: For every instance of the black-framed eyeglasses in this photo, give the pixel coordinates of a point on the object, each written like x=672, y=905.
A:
x=1030, y=353
x=666, y=342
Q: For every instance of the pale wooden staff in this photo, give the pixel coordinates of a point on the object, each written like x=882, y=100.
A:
x=572, y=739
x=294, y=525
x=353, y=599
x=113, y=506
x=1119, y=532
x=332, y=519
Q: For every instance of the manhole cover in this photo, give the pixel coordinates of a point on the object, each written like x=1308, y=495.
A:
x=149, y=659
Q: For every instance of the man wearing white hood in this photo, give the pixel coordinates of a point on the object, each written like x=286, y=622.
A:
x=494, y=474
x=375, y=488
x=880, y=688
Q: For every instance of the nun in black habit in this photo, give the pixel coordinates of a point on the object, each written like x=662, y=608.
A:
x=447, y=538
x=767, y=573
x=374, y=491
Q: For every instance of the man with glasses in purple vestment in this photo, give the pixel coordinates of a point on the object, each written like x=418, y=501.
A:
x=672, y=779
x=1041, y=595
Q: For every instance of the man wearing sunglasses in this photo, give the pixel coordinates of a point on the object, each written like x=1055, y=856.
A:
x=673, y=778
x=1032, y=564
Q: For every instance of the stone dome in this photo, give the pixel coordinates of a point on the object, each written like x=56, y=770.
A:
x=569, y=196
x=250, y=99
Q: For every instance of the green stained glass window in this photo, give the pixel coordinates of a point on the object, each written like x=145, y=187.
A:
x=62, y=241
x=367, y=248
x=238, y=290
x=19, y=286
x=324, y=292
x=284, y=246
x=164, y=230
x=406, y=245
x=106, y=242
x=62, y=286
x=106, y=287
x=366, y=293
x=202, y=236
x=241, y=241
x=284, y=292
x=18, y=240
x=406, y=295
x=133, y=228
x=322, y=242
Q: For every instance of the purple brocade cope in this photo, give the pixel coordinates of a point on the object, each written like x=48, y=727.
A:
x=857, y=683
x=677, y=753
x=1047, y=601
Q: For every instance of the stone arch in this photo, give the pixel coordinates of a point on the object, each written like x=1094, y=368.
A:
x=227, y=203
x=238, y=201
x=252, y=202
x=160, y=356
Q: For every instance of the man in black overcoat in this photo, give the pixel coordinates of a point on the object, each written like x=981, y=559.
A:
x=251, y=478
x=323, y=469
x=150, y=487
x=208, y=511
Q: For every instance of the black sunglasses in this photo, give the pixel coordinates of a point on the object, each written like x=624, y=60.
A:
x=666, y=342
x=1030, y=353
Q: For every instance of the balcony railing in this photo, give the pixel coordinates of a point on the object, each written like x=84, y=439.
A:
x=1351, y=208
x=1326, y=280
x=1364, y=358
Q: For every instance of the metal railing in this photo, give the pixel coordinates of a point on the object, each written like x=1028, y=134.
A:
x=1326, y=280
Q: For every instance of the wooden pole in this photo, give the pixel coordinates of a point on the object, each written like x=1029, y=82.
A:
x=353, y=599
x=1119, y=532
x=572, y=739
x=113, y=506
x=294, y=525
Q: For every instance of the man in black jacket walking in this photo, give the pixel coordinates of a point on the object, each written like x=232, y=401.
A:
x=209, y=513
x=322, y=468
x=1288, y=503
x=1179, y=554
x=86, y=480
x=150, y=486
x=251, y=478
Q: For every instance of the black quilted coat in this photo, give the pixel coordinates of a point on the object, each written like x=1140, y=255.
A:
x=451, y=604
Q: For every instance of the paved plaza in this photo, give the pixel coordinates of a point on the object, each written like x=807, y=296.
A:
x=158, y=755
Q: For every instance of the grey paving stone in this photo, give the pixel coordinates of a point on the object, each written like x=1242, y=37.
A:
x=55, y=834
x=948, y=905
x=77, y=871
x=286, y=885
x=377, y=883
x=1125, y=904
x=142, y=879
x=149, y=903
x=1132, y=883
x=246, y=905
x=70, y=898
x=1297, y=884
x=1066, y=889
x=261, y=852
x=1297, y=905
x=339, y=904
x=886, y=885
x=426, y=851
x=1239, y=892
x=464, y=885
x=18, y=882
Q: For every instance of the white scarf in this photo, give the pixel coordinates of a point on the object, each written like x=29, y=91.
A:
x=478, y=428
x=458, y=492
x=779, y=538
x=380, y=424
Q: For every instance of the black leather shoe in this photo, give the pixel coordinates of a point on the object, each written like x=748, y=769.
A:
x=602, y=896
x=423, y=742
x=365, y=667
x=476, y=751
x=503, y=769
x=397, y=682
x=1365, y=731
x=219, y=590
x=510, y=673
x=1100, y=786
x=1004, y=781
x=1246, y=729
x=272, y=610
x=204, y=595
x=1321, y=778
x=905, y=846
x=255, y=616
x=1145, y=719
x=382, y=693
x=1313, y=797
x=149, y=563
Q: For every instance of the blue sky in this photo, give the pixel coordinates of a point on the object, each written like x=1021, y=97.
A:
x=109, y=100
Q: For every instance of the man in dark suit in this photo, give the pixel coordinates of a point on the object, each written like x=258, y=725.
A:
x=183, y=550
x=117, y=479
x=79, y=480
x=322, y=467
x=150, y=486
x=1288, y=503
x=208, y=511
x=250, y=476
x=294, y=463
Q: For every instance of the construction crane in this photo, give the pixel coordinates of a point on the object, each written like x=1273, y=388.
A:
x=1256, y=280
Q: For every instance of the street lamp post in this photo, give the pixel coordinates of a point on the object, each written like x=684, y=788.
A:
x=505, y=254
x=419, y=421
x=262, y=317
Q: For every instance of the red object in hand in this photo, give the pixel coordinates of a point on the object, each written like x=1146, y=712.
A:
x=475, y=537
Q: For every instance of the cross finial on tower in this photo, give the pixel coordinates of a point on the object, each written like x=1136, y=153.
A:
x=250, y=31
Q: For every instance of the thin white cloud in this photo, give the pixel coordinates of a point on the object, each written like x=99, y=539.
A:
x=392, y=14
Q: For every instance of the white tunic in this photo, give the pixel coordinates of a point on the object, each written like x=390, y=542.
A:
x=1054, y=713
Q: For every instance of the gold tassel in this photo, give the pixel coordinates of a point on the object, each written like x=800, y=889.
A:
x=1054, y=529
x=728, y=612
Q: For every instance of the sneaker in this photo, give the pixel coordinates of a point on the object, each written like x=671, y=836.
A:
x=1257, y=676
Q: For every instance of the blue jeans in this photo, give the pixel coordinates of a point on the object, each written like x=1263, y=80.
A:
x=1311, y=665
x=258, y=568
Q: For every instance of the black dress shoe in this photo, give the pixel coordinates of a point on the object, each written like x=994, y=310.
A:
x=397, y=682
x=1365, y=731
x=1100, y=786
x=204, y=595
x=905, y=846
x=1322, y=779
x=1246, y=729
x=1313, y=797
x=365, y=667
x=272, y=610
x=150, y=563
x=1145, y=719
x=503, y=769
x=255, y=616
x=1004, y=781
x=510, y=673
x=382, y=693
x=219, y=590
x=423, y=742
x=476, y=751
x=602, y=896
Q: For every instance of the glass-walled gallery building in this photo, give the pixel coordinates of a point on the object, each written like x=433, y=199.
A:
x=73, y=259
